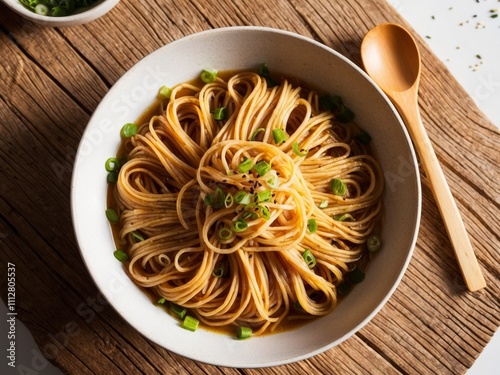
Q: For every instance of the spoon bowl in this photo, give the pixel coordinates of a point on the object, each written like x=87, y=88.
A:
x=391, y=57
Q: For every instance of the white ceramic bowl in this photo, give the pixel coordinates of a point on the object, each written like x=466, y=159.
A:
x=91, y=14
x=235, y=48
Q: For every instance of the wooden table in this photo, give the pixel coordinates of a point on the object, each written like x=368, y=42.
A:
x=51, y=80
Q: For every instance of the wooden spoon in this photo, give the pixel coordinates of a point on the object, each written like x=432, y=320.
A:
x=392, y=59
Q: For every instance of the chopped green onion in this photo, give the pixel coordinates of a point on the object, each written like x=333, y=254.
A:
x=218, y=272
x=243, y=333
x=112, y=215
x=255, y=133
x=216, y=199
x=245, y=166
x=323, y=204
x=263, y=70
x=334, y=103
x=338, y=187
x=220, y=197
x=208, y=76
x=228, y=201
x=120, y=255
x=58, y=11
x=224, y=233
x=240, y=225
x=298, y=306
x=129, y=130
x=345, y=115
x=344, y=288
x=112, y=177
x=42, y=9
x=279, y=136
x=309, y=258
x=137, y=237
x=242, y=197
x=180, y=311
x=219, y=113
x=297, y=151
x=112, y=164
x=161, y=301
x=273, y=182
x=264, y=211
x=165, y=91
x=249, y=214
x=374, y=243
x=190, y=323
x=343, y=217
x=356, y=276
x=262, y=167
x=363, y=137
x=312, y=225
x=264, y=196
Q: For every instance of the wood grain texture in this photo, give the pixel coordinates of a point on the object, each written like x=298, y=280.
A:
x=51, y=80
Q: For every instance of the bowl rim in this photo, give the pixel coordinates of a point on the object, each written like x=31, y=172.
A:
x=416, y=219
x=88, y=15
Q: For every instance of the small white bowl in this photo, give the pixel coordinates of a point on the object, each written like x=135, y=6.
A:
x=91, y=14
x=229, y=49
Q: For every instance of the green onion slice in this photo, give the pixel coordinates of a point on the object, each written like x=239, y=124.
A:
x=219, y=198
x=165, y=91
x=249, y=214
x=161, y=301
x=343, y=217
x=264, y=196
x=363, y=137
x=256, y=133
x=338, y=187
x=242, y=197
x=137, y=237
x=42, y=9
x=225, y=234
x=245, y=165
x=128, y=130
x=273, y=181
x=243, y=332
x=112, y=177
x=374, y=243
x=208, y=75
x=219, y=113
x=312, y=225
x=120, y=255
x=216, y=199
x=309, y=258
x=262, y=167
x=218, y=272
x=112, y=215
x=356, y=276
x=279, y=136
x=264, y=211
x=344, y=288
x=323, y=204
x=112, y=164
x=240, y=225
x=264, y=70
x=297, y=151
x=180, y=311
x=229, y=200
x=190, y=323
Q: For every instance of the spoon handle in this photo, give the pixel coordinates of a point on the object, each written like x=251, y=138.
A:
x=457, y=233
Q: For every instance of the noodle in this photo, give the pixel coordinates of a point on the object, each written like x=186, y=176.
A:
x=183, y=243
